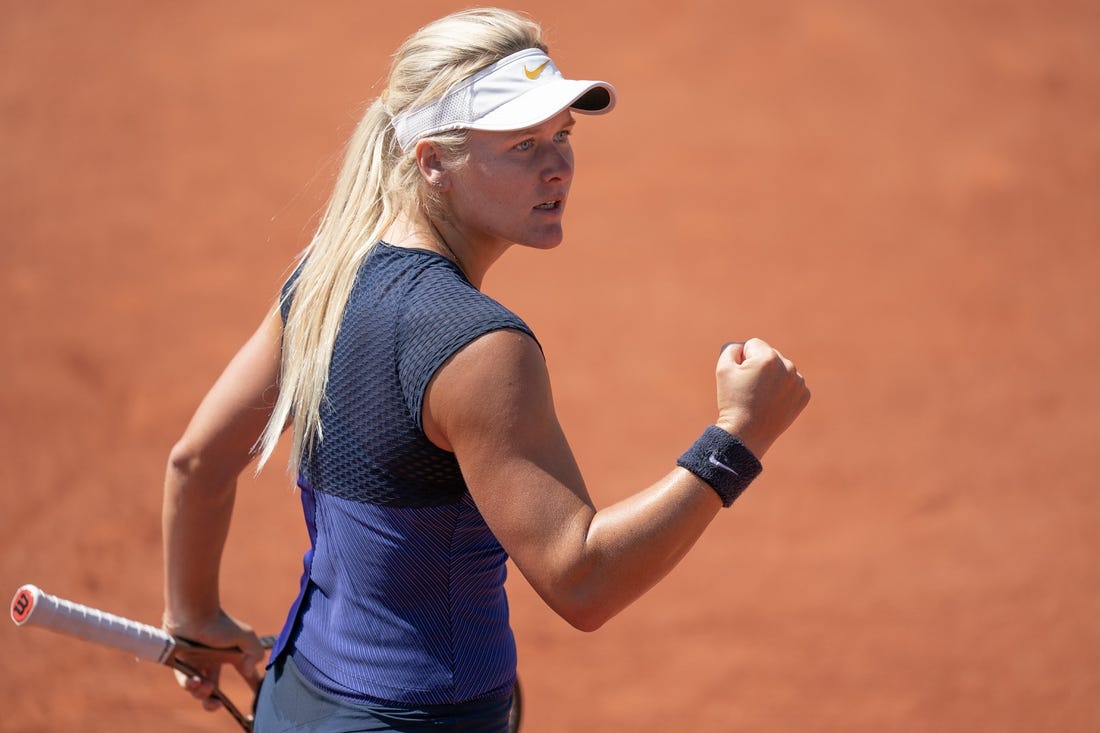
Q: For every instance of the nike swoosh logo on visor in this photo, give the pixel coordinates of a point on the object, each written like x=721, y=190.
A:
x=536, y=72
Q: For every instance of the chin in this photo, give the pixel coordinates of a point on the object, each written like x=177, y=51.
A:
x=546, y=244
x=547, y=240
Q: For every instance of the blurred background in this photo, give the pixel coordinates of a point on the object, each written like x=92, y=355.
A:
x=902, y=197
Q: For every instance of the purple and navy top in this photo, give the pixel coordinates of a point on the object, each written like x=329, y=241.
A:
x=402, y=597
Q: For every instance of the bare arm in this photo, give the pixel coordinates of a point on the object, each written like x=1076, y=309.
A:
x=199, y=490
x=492, y=405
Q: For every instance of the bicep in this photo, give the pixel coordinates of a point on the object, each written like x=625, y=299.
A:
x=491, y=403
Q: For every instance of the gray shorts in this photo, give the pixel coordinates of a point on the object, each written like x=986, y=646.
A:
x=288, y=703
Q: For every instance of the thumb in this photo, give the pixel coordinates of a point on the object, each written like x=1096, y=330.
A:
x=734, y=350
x=251, y=663
x=756, y=348
x=249, y=669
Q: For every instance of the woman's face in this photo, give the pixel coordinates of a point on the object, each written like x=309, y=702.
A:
x=514, y=185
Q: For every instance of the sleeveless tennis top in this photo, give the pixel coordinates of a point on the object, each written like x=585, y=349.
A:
x=402, y=596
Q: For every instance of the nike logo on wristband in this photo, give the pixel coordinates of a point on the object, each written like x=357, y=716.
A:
x=713, y=459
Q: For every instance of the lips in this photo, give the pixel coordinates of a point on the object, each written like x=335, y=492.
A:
x=553, y=205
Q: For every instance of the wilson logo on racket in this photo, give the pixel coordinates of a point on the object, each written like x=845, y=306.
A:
x=21, y=606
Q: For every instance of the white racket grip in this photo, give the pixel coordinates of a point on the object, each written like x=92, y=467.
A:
x=32, y=606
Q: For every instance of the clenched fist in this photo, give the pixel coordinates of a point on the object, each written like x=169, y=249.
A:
x=760, y=393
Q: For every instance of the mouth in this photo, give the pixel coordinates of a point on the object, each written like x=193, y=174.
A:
x=552, y=205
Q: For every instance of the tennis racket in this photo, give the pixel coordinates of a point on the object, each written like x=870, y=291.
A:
x=32, y=606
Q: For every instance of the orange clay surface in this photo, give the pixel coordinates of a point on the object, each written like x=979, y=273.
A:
x=903, y=197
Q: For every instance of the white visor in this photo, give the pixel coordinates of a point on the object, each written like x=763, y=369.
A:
x=517, y=92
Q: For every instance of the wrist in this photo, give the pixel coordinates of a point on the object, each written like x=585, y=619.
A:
x=192, y=620
x=723, y=461
x=742, y=431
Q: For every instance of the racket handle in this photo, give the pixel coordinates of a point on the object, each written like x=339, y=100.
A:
x=31, y=606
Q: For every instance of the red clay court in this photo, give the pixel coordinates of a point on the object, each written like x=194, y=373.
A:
x=903, y=197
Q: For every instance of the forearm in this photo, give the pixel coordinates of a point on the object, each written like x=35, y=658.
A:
x=195, y=521
x=196, y=518
x=628, y=547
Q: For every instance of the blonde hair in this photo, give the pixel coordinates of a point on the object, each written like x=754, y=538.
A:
x=377, y=183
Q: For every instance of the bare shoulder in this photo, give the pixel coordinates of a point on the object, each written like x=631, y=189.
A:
x=491, y=382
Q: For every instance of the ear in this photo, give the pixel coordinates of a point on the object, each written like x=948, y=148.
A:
x=429, y=159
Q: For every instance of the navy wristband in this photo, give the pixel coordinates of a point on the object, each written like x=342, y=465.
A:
x=723, y=462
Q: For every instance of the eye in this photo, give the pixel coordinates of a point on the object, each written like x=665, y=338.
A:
x=562, y=135
x=525, y=145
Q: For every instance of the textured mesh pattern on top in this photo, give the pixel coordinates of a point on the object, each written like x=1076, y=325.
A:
x=402, y=599
x=409, y=312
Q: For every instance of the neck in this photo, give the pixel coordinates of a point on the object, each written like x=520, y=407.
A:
x=472, y=257
x=442, y=245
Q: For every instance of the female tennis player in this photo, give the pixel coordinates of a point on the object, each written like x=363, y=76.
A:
x=425, y=439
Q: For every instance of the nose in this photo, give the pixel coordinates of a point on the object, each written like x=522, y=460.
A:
x=558, y=164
